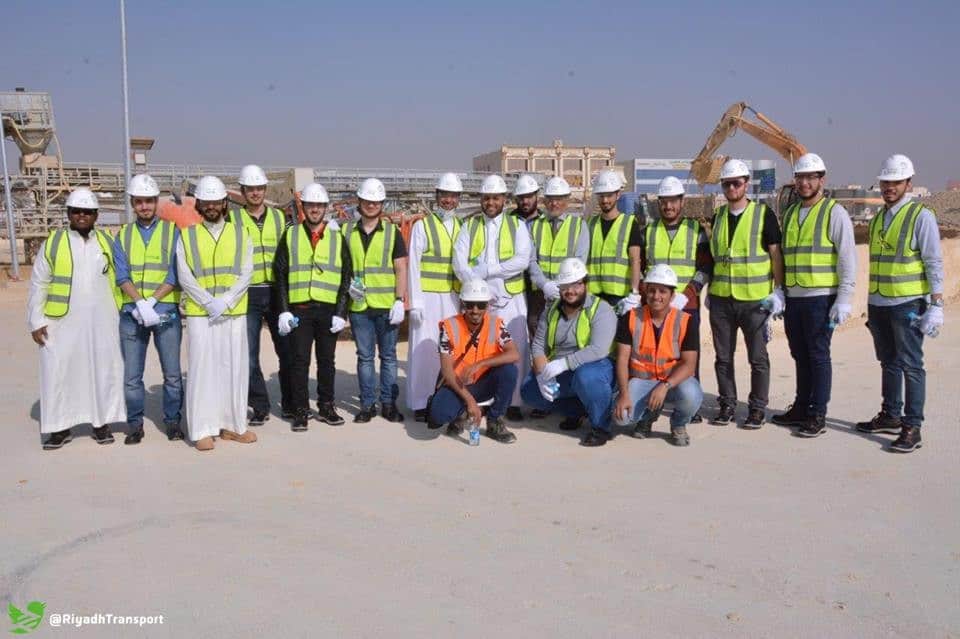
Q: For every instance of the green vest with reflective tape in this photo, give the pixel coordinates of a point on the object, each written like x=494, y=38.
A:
x=506, y=243
x=584, y=316
x=609, y=261
x=314, y=271
x=741, y=268
x=264, y=241
x=374, y=265
x=896, y=269
x=680, y=252
x=150, y=263
x=809, y=257
x=215, y=264
x=553, y=249
x=436, y=263
x=60, y=258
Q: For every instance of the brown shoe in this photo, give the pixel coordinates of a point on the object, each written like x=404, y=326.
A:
x=205, y=444
x=247, y=438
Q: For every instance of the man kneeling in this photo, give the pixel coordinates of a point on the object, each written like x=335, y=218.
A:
x=656, y=357
x=477, y=363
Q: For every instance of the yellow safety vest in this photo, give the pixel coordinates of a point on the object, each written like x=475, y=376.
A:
x=680, y=252
x=150, y=263
x=553, y=249
x=436, y=263
x=809, y=257
x=215, y=264
x=264, y=241
x=741, y=267
x=314, y=271
x=60, y=258
x=609, y=261
x=374, y=265
x=505, y=249
x=584, y=316
x=896, y=269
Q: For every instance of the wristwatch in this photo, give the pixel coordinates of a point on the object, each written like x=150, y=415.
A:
x=938, y=302
x=667, y=382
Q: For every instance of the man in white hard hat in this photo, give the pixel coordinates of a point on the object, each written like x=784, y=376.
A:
x=905, y=302
x=746, y=291
x=682, y=243
x=657, y=347
x=572, y=371
x=478, y=362
x=214, y=266
x=144, y=254
x=311, y=280
x=615, y=239
x=72, y=316
x=433, y=290
x=496, y=248
x=264, y=225
x=820, y=271
x=378, y=292
x=526, y=196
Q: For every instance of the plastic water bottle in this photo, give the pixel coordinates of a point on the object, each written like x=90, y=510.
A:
x=831, y=324
x=766, y=304
x=916, y=320
x=554, y=387
x=294, y=322
x=166, y=318
x=473, y=428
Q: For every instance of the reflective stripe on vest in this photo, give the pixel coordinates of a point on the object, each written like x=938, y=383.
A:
x=436, y=263
x=488, y=342
x=506, y=243
x=810, y=258
x=314, y=271
x=59, y=256
x=680, y=252
x=609, y=261
x=215, y=264
x=374, y=265
x=264, y=241
x=150, y=263
x=650, y=359
x=741, y=269
x=584, y=317
x=896, y=269
x=553, y=249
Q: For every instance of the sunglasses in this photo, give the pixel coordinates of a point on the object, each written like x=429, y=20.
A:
x=733, y=184
x=479, y=305
x=83, y=212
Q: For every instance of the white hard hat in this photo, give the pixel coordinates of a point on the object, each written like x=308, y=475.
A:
x=895, y=168
x=143, y=186
x=556, y=186
x=526, y=184
x=210, y=189
x=82, y=198
x=607, y=182
x=372, y=190
x=670, y=186
x=571, y=270
x=661, y=274
x=475, y=291
x=450, y=182
x=493, y=185
x=809, y=163
x=252, y=175
x=314, y=193
x=734, y=168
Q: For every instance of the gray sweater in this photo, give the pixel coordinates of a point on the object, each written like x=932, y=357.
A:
x=603, y=328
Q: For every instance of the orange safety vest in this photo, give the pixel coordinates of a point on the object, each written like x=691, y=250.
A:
x=488, y=341
x=648, y=358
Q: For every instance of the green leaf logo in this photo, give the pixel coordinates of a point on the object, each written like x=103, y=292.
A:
x=25, y=622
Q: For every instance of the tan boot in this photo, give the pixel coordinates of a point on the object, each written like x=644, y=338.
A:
x=247, y=438
x=205, y=444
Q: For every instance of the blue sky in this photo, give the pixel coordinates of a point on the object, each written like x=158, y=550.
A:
x=431, y=84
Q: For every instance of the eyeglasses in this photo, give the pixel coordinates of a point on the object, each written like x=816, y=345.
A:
x=73, y=211
x=733, y=184
x=807, y=177
x=478, y=305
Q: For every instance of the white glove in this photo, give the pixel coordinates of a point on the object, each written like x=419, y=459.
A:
x=357, y=293
x=776, y=302
x=285, y=323
x=147, y=314
x=136, y=316
x=545, y=389
x=396, y=312
x=840, y=313
x=215, y=308
x=416, y=316
x=679, y=301
x=332, y=224
x=551, y=290
x=628, y=303
x=554, y=368
x=337, y=324
x=931, y=321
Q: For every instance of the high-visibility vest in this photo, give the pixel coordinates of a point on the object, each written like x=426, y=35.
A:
x=374, y=265
x=59, y=256
x=506, y=243
x=264, y=241
x=650, y=359
x=150, y=263
x=741, y=267
x=584, y=317
x=809, y=256
x=488, y=341
x=215, y=263
x=680, y=252
x=436, y=263
x=553, y=249
x=896, y=269
x=609, y=261
x=314, y=271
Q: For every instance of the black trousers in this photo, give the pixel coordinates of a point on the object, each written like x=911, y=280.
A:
x=313, y=333
x=260, y=309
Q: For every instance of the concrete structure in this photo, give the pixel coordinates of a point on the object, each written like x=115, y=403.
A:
x=644, y=174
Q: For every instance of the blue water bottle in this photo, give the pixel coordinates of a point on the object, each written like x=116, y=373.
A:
x=474, y=432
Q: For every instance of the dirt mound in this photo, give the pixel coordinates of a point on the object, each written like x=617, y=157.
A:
x=946, y=204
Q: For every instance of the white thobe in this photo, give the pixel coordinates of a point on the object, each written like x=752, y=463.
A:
x=81, y=368
x=512, y=309
x=423, y=356
x=218, y=364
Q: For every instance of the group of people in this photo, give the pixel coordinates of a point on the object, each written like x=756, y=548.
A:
x=594, y=318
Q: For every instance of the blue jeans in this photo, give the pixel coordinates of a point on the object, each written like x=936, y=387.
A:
x=371, y=331
x=899, y=348
x=588, y=390
x=686, y=398
x=259, y=309
x=134, y=339
x=807, y=323
x=497, y=383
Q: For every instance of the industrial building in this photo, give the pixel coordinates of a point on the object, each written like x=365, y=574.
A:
x=644, y=174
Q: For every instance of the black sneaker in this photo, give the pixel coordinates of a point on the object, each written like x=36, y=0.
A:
x=328, y=414
x=365, y=415
x=497, y=431
x=883, y=422
x=420, y=415
x=537, y=413
x=814, y=426
x=174, y=434
x=58, y=439
x=595, y=437
x=390, y=413
x=299, y=424
x=288, y=413
x=697, y=418
x=724, y=416
x=755, y=419
x=679, y=436
x=514, y=414
x=102, y=435
x=135, y=436
x=793, y=416
x=570, y=423
x=258, y=419
x=908, y=441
